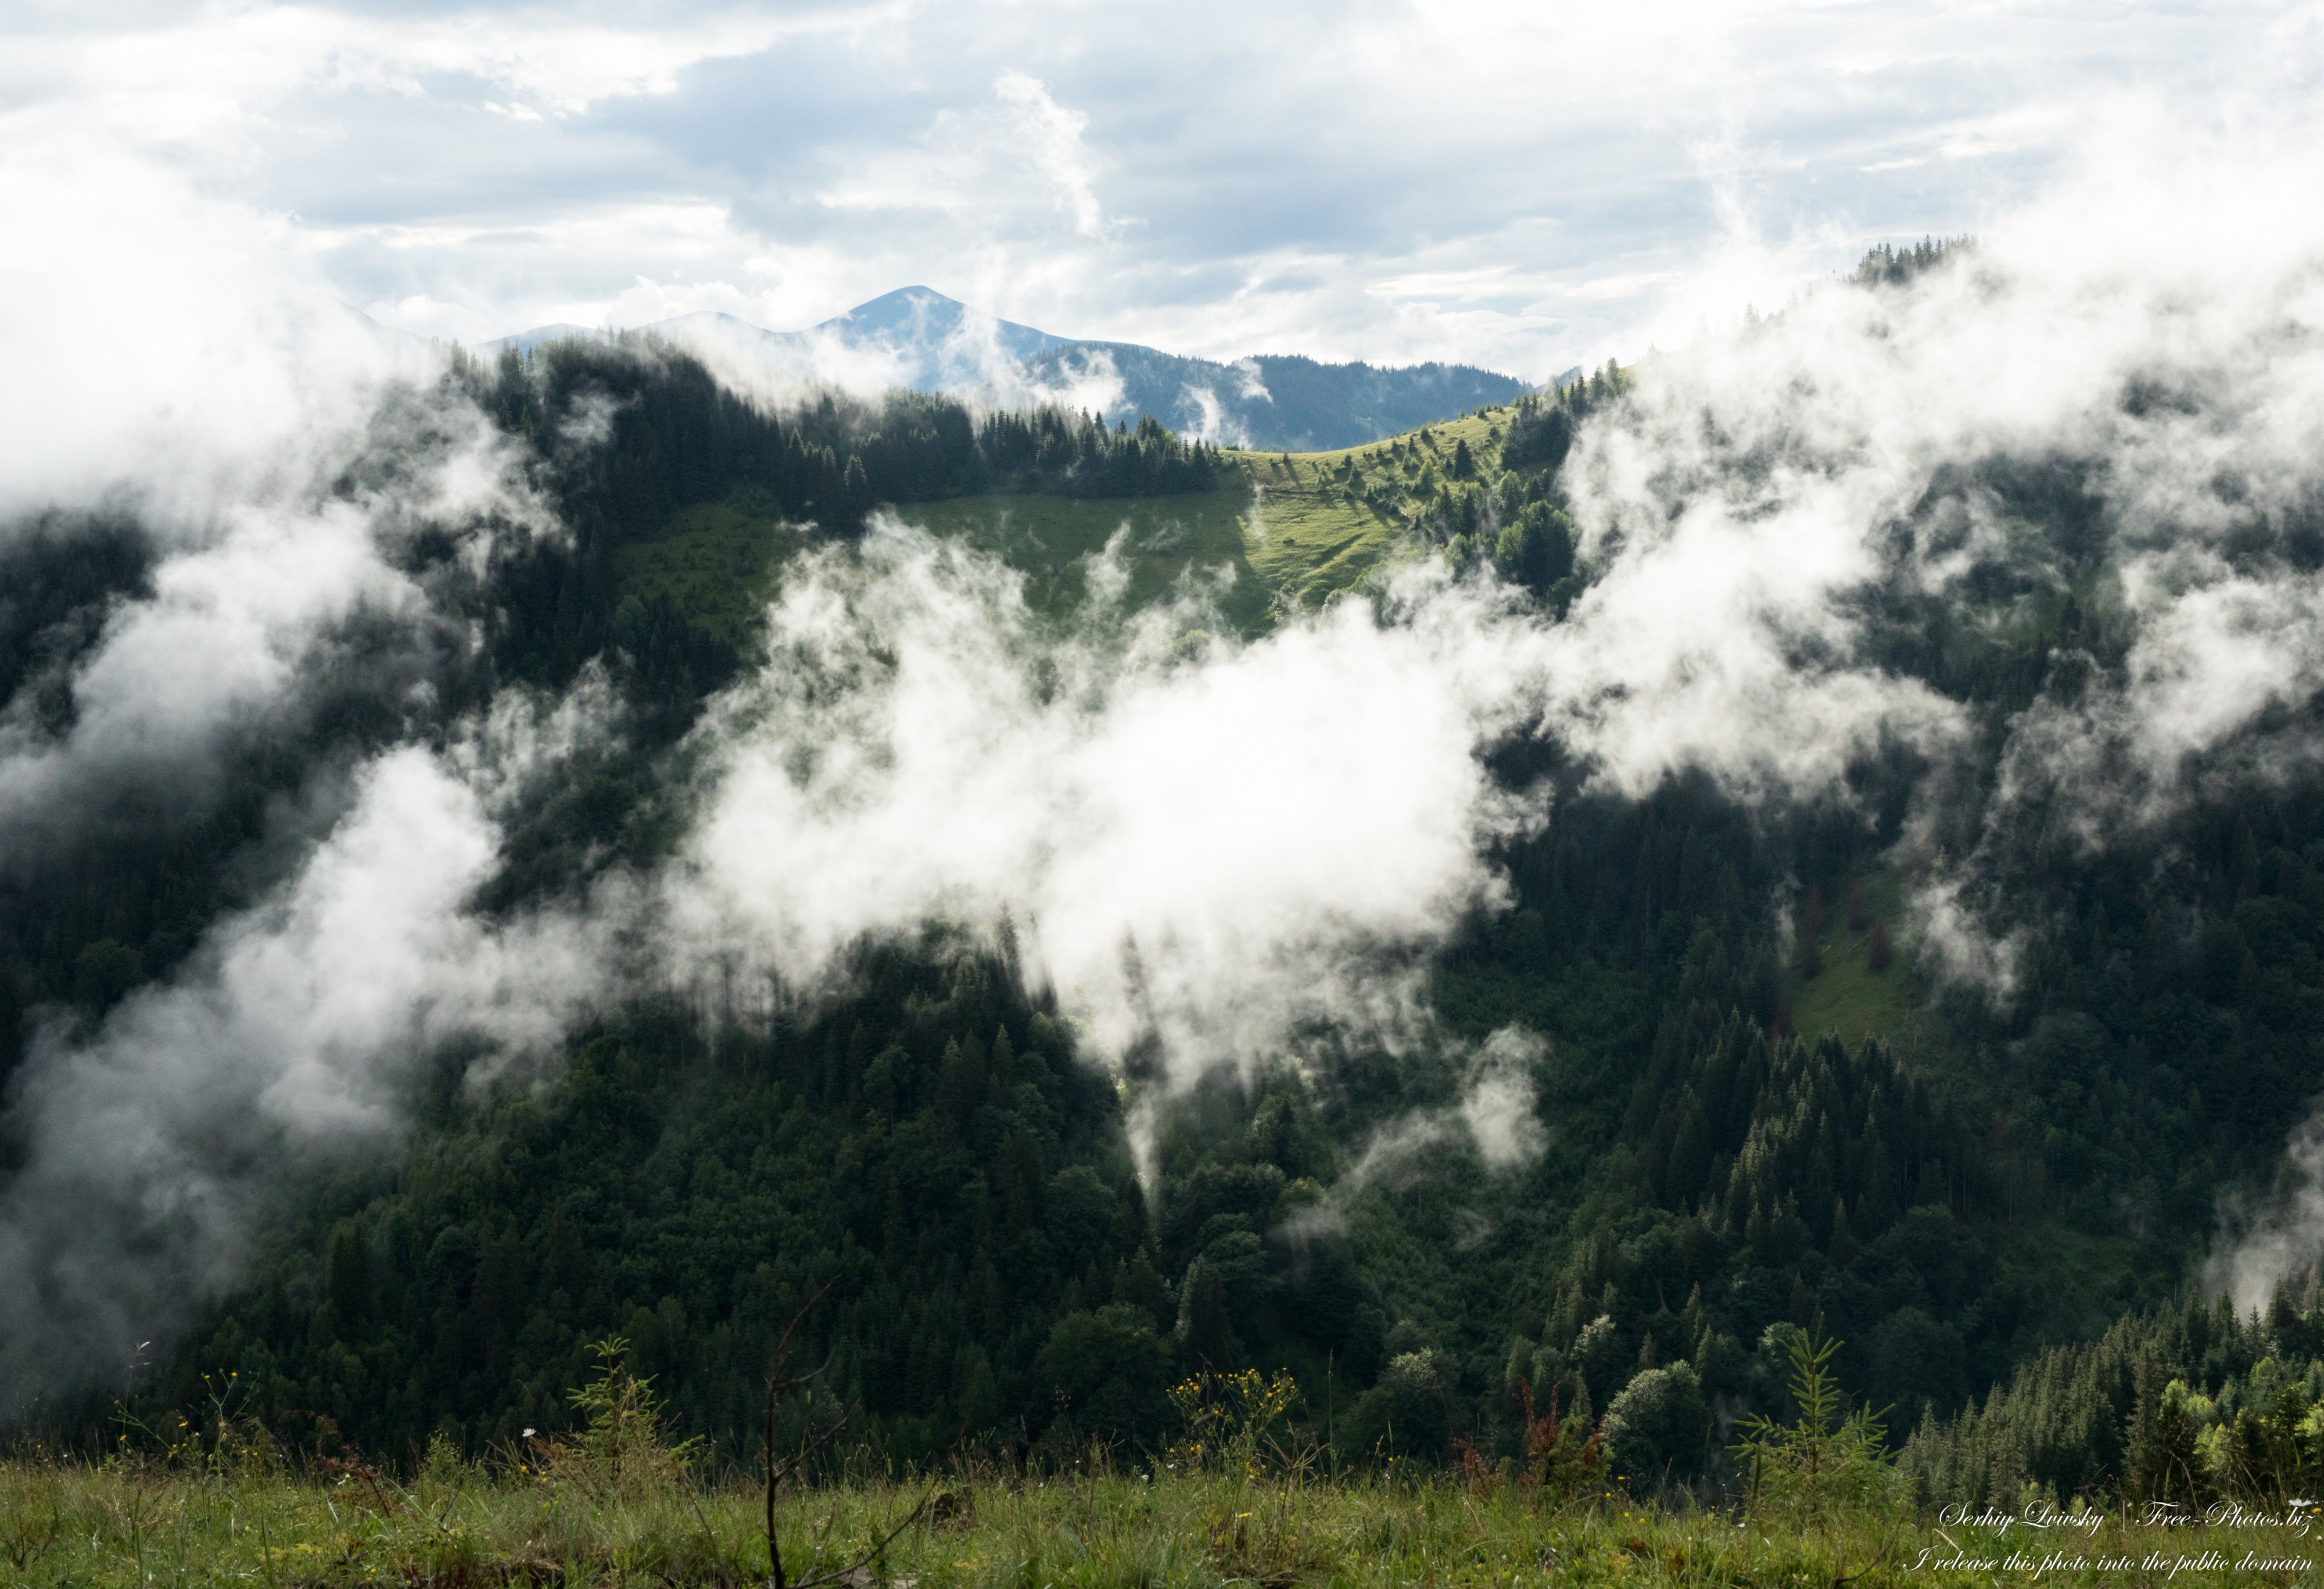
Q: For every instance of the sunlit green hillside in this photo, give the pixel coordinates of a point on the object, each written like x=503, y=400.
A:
x=1195, y=540
x=713, y=561
x=1296, y=529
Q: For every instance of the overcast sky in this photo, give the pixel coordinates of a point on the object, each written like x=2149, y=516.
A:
x=1523, y=185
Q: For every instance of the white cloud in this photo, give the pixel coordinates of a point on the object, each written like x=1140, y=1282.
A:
x=1205, y=419
x=216, y=401
x=217, y=647
x=1054, y=136
x=1212, y=854
x=292, y=1033
x=1442, y=175
x=1205, y=853
x=1498, y=1106
x=1771, y=484
x=177, y=359
x=202, y=372
x=2263, y=1243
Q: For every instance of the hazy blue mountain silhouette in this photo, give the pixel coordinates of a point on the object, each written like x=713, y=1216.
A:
x=916, y=337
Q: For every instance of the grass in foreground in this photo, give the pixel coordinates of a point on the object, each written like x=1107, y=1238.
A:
x=136, y=1523
x=617, y=1504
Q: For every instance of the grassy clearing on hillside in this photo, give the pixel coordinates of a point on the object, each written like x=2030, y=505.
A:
x=1297, y=533
x=1323, y=521
x=1483, y=430
x=129, y=1523
x=715, y=562
x=1847, y=996
x=1286, y=546
x=1307, y=543
x=718, y=562
x=1052, y=541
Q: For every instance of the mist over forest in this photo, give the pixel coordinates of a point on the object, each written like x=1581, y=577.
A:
x=1819, y=827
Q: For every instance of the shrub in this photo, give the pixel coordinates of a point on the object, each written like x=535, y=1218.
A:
x=1564, y=1456
x=1824, y=1464
x=1403, y=1416
x=626, y=1449
x=1655, y=1428
x=1229, y=1419
x=1106, y=1370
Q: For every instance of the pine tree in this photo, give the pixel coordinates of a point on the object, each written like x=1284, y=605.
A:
x=1205, y=1338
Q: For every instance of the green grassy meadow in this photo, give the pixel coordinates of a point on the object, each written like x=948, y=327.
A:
x=1295, y=532
x=715, y=561
x=1163, y=541
x=1250, y=1495
x=1846, y=997
x=1326, y=520
x=130, y=1523
x=1308, y=536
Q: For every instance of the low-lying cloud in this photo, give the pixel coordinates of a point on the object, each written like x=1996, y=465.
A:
x=1209, y=853
x=152, y=1144
x=970, y=359
x=2263, y=1242
x=1769, y=499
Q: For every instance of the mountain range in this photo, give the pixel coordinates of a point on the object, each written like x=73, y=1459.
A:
x=919, y=338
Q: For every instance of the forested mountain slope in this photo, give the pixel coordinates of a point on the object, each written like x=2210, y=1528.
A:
x=1699, y=1061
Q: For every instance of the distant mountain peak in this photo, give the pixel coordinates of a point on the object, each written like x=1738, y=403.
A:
x=891, y=308
x=923, y=317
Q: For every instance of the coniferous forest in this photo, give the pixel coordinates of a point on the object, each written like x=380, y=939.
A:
x=1759, y=1109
